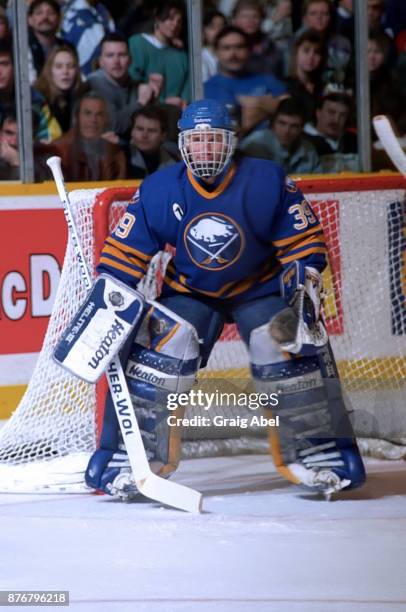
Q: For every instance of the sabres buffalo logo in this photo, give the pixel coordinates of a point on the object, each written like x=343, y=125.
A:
x=214, y=241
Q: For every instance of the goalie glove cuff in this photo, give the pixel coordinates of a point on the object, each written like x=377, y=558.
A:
x=301, y=287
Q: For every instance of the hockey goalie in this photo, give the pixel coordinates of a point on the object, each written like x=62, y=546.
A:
x=249, y=250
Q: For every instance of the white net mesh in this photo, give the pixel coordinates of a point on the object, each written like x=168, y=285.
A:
x=56, y=415
x=365, y=314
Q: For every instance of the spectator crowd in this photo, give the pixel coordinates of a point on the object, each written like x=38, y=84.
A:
x=110, y=79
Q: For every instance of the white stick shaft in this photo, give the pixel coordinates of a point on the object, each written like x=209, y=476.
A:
x=390, y=143
x=54, y=164
x=149, y=484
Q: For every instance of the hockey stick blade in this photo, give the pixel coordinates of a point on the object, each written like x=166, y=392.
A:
x=171, y=493
x=149, y=484
x=390, y=143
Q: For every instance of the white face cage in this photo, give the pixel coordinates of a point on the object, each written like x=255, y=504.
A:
x=206, y=150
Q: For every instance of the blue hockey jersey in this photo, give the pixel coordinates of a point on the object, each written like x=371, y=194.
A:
x=231, y=241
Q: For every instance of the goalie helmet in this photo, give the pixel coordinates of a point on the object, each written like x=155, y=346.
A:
x=207, y=138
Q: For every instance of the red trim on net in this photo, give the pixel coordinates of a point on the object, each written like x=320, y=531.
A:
x=101, y=213
x=101, y=209
x=356, y=182
x=101, y=392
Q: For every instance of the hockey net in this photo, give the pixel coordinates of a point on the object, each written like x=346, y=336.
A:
x=46, y=443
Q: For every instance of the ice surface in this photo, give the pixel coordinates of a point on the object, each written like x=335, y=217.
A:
x=262, y=545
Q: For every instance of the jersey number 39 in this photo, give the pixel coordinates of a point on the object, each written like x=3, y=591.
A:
x=303, y=214
x=124, y=227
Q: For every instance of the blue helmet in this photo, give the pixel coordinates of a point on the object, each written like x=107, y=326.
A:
x=209, y=112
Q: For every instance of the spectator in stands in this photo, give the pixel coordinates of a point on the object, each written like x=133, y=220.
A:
x=284, y=142
x=335, y=145
x=5, y=33
x=147, y=152
x=138, y=17
x=378, y=50
x=256, y=96
x=56, y=91
x=329, y=133
x=112, y=80
x=317, y=16
x=84, y=24
x=160, y=53
x=395, y=17
x=213, y=23
x=401, y=62
x=86, y=155
x=387, y=94
x=43, y=19
x=264, y=57
x=118, y=9
x=278, y=26
x=309, y=57
x=375, y=12
x=278, y=22
x=7, y=93
x=9, y=150
x=297, y=9
x=345, y=23
x=9, y=155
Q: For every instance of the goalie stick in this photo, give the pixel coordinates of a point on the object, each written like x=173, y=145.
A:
x=390, y=143
x=148, y=483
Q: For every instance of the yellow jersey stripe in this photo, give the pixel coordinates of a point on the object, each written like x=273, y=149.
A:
x=118, y=266
x=296, y=237
x=129, y=259
x=317, y=239
x=175, y=285
x=129, y=249
x=303, y=254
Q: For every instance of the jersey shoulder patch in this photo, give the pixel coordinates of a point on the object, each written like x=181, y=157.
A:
x=290, y=185
x=136, y=197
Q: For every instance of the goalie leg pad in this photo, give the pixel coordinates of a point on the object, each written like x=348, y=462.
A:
x=314, y=444
x=163, y=358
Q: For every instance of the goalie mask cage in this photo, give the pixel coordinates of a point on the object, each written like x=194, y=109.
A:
x=46, y=443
